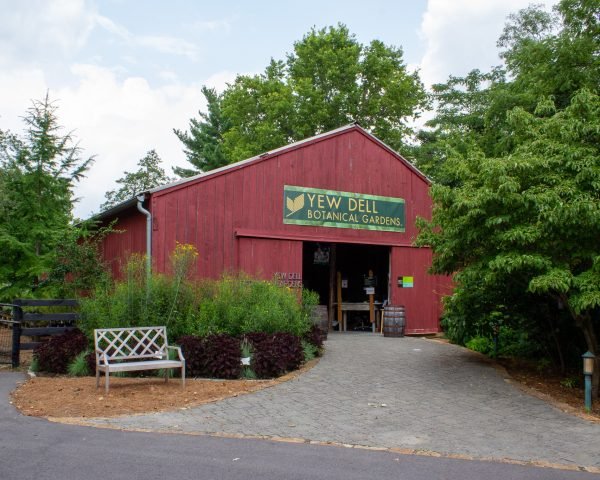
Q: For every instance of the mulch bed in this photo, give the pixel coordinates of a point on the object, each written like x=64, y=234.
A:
x=78, y=396
x=548, y=384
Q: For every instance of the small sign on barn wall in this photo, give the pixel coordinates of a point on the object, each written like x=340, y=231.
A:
x=329, y=208
x=406, y=282
x=288, y=279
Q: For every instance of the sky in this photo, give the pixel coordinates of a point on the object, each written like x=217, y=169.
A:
x=125, y=73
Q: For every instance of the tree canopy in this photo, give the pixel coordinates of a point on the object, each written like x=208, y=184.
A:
x=516, y=217
x=327, y=81
x=546, y=55
x=149, y=175
x=38, y=171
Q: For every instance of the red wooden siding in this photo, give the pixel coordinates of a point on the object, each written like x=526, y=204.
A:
x=235, y=217
x=250, y=199
x=117, y=247
x=264, y=258
x=423, y=302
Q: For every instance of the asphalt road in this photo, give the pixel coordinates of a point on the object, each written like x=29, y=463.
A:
x=32, y=448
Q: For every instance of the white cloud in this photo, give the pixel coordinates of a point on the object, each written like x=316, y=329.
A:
x=461, y=35
x=212, y=25
x=16, y=87
x=119, y=121
x=171, y=45
x=39, y=28
x=219, y=80
x=160, y=43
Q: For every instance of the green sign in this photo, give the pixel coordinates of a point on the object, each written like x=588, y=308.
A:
x=329, y=208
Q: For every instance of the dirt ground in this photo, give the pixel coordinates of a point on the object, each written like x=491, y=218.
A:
x=62, y=396
x=78, y=397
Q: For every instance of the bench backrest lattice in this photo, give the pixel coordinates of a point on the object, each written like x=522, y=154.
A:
x=128, y=343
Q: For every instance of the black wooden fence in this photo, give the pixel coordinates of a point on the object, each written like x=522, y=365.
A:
x=28, y=323
x=6, y=333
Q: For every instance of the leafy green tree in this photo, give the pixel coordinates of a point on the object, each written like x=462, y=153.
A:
x=545, y=54
x=461, y=121
x=203, y=145
x=260, y=113
x=553, y=54
x=530, y=219
x=38, y=172
x=329, y=80
x=150, y=175
x=76, y=266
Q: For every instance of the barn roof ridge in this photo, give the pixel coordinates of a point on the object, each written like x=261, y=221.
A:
x=265, y=156
x=291, y=146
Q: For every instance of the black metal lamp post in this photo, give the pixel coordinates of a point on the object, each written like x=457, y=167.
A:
x=588, y=371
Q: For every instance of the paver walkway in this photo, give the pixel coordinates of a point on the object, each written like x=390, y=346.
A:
x=405, y=393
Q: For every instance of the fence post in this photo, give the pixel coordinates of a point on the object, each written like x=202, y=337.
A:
x=16, y=336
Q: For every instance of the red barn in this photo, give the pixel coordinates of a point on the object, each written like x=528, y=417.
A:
x=334, y=213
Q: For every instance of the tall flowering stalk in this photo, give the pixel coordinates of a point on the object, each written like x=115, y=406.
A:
x=182, y=260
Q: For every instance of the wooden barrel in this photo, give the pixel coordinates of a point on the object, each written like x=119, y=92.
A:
x=394, y=321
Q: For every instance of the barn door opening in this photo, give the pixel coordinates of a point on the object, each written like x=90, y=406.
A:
x=352, y=282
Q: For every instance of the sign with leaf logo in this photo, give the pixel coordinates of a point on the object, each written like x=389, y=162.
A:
x=295, y=205
x=330, y=208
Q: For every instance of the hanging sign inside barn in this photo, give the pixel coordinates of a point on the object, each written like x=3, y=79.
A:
x=329, y=208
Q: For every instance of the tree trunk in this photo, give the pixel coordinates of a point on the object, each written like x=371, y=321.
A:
x=561, y=358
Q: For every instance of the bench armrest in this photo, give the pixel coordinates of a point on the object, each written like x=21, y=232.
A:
x=101, y=357
x=179, y=353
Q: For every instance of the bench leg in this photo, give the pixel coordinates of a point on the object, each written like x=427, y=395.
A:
x=166, y=374
x=183, y=377
x=97, y=377
x=107, y=376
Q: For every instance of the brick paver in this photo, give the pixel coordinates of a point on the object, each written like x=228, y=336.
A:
x=405, y=393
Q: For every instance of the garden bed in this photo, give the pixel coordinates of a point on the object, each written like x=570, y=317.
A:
x=61, y=396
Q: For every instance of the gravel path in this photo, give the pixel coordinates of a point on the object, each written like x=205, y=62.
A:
x=404, y=393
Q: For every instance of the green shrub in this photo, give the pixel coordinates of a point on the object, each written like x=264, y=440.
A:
x=517, y=343
x=275, y=354
x=310, y=300
x=195, y=355
x=481, y=344
x=310, y=350
x=240, y=304
x=570, y=382
x=90, y=359
x=168, y=300
x=55, y=355
x=35, y=365
x=248, y=373
x=316, y=337
x=171, y=372
x=222, y=356
x=79, y=366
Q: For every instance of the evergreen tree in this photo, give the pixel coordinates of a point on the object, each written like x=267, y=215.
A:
x=150, y=175
x=38, y=172
x=203, y=143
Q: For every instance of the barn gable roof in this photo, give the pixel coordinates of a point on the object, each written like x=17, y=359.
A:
x=292, y=146
x=184, y=182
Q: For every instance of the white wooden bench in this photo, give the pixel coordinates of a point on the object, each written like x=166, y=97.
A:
x=133, y=349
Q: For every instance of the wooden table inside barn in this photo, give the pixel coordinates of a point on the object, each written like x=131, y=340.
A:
x=356, y=307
